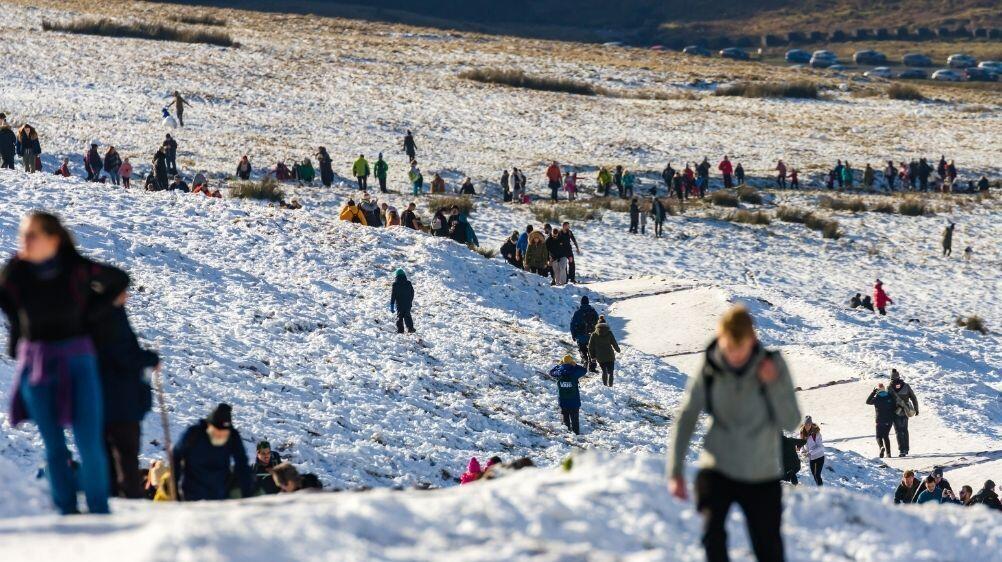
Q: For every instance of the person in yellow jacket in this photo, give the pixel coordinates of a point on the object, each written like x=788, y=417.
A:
x=604, y=181
x=360, y=169
x=351, y=213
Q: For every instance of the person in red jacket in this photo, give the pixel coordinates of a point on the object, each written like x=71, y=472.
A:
x=553, y=177
x=880, y=298
x=726, y=169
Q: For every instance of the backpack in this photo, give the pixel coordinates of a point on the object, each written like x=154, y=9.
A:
x=708, y=384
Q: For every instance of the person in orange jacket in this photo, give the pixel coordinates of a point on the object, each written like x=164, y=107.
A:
x=351, y=213
x=553, y=177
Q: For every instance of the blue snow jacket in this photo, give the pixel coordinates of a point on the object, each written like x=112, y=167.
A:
x=522, y=244
x=567, y=384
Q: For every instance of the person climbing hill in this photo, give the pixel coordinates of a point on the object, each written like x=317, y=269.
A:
x=811, y=434
x=880, y=298
x=568, y=374
x=582, y=325
x=906, y=406
x=602, y=347
x=883, y=405
x=203, y=457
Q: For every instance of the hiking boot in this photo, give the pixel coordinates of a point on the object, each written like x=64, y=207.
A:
x=903, y=454
x=881, y=452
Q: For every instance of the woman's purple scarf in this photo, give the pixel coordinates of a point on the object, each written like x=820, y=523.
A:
x=47, y=360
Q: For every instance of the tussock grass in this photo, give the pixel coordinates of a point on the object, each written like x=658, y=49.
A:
x=140, y=30
x=914, y=207
x=199, y=19
x=800, y=90
x=488, y=253
x=828, y=228
x=610, y=204
x=265, y=190
x=973, y=323
x=854, y=204
x=556, y=212
x=519, y=79
x=748, y=194
x=724, y=199
x=748, y=217
x=905, y=92
x=464, y=202
x=792, y=214
x=883, y=207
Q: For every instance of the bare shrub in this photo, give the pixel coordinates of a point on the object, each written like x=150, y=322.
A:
x=792, y=214
x=555, y=212
x=488, y=253
x=610, y=204
x=883, y=207
x=973, y=323
x=906, y=92
x=724, y=199
x=265, y=190
x=140, y=30
x=801, y=89
x=748, y=194
x=519, y=79
x=854, y=204
x=748, y=217
x=914, y=207
x=199, y=19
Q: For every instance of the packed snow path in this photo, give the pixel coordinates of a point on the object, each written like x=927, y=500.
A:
x=674, y=319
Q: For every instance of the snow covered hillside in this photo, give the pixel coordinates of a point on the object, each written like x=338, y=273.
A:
x=284, y=313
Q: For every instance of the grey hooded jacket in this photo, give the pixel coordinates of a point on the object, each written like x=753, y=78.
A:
x=747, y=417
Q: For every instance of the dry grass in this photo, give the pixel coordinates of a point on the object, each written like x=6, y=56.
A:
x=914, y=207
x=828, y=228
x=906, y=92
x=748, y=194
x=748, y=217
x=800, y=90
x=519, y=79
x=465, y=204
x=792, y=214
x=610, y=204
x=488, y=253
x=556, y=212
x=198, y=19
x=883, y=207
x=724, y=199
x=854, y=204
x=973, y=323
x=140, y=30
x=265, y=190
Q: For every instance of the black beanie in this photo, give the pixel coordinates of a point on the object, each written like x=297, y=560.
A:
x=584, y=300
x=221, y=417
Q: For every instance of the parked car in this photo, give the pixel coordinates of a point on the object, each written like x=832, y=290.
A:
x=916, y=59
x=992, y=66
x=948, y=75
x=980, y=75
x=879, y=72
x=696, y=50
x=961, y=61
x=913, y=74
x=823, y=59
x=869, y=57
x=798, y=56
x=734, y=53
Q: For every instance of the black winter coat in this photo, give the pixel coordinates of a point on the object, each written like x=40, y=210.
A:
x=791, y=460
x=8, y=140
x=57, y=300
x=508, y=252
x=204, y=470
x=122, y=363
x=262, y=478
x=402, y=295
x=884, y=404
x=555, y=248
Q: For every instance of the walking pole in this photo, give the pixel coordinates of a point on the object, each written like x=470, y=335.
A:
x=165, y=422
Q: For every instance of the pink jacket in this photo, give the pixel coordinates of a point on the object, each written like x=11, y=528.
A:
x=473, y=472
x=125, y=170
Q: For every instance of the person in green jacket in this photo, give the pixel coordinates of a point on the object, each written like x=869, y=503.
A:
x=748, y=394
x=360, y=169
x=847, y=175
x=379, y=169
x=604, y=181
x=305, y=172
x=537, y=258
x=602, y=347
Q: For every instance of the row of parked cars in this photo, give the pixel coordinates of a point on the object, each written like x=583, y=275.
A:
x=962, y=67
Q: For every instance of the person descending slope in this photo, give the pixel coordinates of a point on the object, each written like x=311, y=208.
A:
x=410, y=147
x=883, y=406
x=123, y=364
x=8, y=143
x=602, y=347
x=203, y=456
x=811, y=434
x=568, y=374
x=401, y=301
x=880, y=298
x=906, y=406
x=50, y=294
x=582, y=325
x=748, y=394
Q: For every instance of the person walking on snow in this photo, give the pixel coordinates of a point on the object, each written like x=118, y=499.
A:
x=811, y=434
x=748, y=394
x=401, y=301
x=739, y=174
x=553, y=179
x=8, y=143
x=50, y=295
x=558, y=257
x=883, y=406
x=379, y=169
x=568, y=374
x=170, y=151
x=906, y=406
x=602, y=348
x=326, y=166
x=658, y=212
x=360, y=169
x=948, y=239
x=209, y=456
x=113, y=165
x=880, y=298
x=567, y=239
x=634, y=216
x=582, y=325
x=94, y=163
x=179, y=104
x=410, y=147
x=726, y=170
x=781, y=174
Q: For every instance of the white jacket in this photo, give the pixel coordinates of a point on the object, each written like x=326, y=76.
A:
x=815, y=447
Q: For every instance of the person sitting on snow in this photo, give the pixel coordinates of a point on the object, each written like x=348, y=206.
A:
x=473, y=472
x=288, y=479
x=178, y=185
x=856, y=301
x=351, y=213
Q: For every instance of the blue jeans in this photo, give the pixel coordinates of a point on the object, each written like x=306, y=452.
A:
x=88, y=431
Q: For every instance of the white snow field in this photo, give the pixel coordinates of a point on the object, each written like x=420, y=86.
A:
x=284, y=313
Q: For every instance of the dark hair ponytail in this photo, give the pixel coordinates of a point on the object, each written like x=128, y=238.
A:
x=51, y=225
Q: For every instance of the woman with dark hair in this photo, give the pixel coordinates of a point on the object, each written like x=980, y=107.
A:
x=51, y=295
